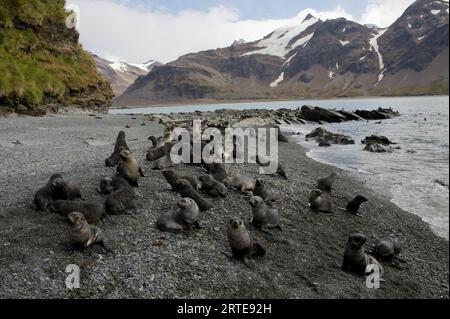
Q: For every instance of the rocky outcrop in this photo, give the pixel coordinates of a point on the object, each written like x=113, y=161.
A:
x=380, y=114
x=326, y=138
x=378, y=144
x=318, y=114
x=45, y=66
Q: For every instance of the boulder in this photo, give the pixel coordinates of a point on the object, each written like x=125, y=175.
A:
x=377, y=139
x=318, y=114
x=350, y=116
x=324, y=137
x=379, y=114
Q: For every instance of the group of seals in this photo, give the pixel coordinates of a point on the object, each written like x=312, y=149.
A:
x=55, y=189
x=120, y=146
x=121, y=200
x=355, y=258
x=172, y=178
x=184, y=219
x=263, y=191
x=212, y=186
x=93, y=212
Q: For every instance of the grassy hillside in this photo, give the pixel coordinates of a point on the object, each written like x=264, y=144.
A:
x=42, y=65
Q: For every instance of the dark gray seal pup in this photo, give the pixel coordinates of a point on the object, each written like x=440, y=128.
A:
x=184, y=219
x=219, y=172
x=129, y=169
x=83, y=235
x=387, y=248
x=56, y=188
x=263, y=191
x=263, y=215
x=119, y=147
x=243, y=183
x=319, y=203
x=354, y=205
x=185, y=189
x=155, y=153
x=326, y=183
x=93, y=212
x=121, y=200
x=172, y=178
x=242, y=245
x=355, y=259
x=106, y=186
x=212, y=186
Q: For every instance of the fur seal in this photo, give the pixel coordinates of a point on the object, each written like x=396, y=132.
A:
x=387, y=248
x=326, y=183
x=121, y=201
x=219, y=172
x=120, y=146
x=243, y=183
x=354, y=205
x=83, y=235
x=264, y=216
x=106, y=186
x=185, y=189
x=55, y=189
x=172, y=178
x=93, y=212
x=319, y=203
x=184, y=219
x=242, y=245
x=212, y=186
x=129, y=169
x=155, y=153
x=262, y=191
x=355, y=259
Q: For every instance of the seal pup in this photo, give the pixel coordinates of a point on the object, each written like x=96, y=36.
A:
x=185, y=189
x=184, y=219
x=119, y=147
x=243, y=183
x=93, y=212
x=219, y=172
x=354, y=205
x=155, y=153
x=262, y=191
x=129, y=169
x=172, y=178
x=56, y=188
x=83, y=235
x=106, y=186
x=121, y=201
x=355, y=259
x=326, y=183
x=319, y=203
x=387, y=248
x=264, y=216
x=212, y=186
x=242, y=245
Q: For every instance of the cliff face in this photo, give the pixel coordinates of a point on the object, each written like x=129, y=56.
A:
x=333, y=58
x=42, y=65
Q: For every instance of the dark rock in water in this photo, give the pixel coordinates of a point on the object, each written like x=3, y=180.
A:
x=411, y=151
x=324, y=137
x=444, y=184
x=324, y=144
x=317, y=114
x=378, y=148
x=380, y=114
x=350, y=116
x=377, y=139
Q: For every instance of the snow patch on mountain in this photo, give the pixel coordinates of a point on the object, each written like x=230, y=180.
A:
x=277, y=81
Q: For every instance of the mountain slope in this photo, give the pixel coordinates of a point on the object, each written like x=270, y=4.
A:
x=42, y=66
x=312, y=59
x=121, y=74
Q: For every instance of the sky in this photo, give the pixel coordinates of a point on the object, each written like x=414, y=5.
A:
x=140, y=30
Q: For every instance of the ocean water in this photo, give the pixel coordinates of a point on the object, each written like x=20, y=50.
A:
x=416, y=177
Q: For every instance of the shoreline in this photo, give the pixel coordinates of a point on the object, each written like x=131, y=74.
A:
x=216, y=102
x=301, y=261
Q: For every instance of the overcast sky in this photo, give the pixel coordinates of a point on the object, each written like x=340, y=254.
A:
x=163, y=30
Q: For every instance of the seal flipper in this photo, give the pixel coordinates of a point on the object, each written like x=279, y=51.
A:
x=141, y=172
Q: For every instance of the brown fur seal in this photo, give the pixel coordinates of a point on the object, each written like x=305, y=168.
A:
x=56, y=188
x=326, y=183
x=172, y=178
x=93, y=212
x=83, y=235
x=242, y=245
x=129, y=169
x=262, y=191
x=319, y=203
x=264, y=216
x=163, y=163
x=184, y=219
x=106, y=186
x=354, y=205
x=121, y=201
x=387, y=248
x=184, y=188
x=219, y=172
x=212, y=186
x=120, y=146
x=355, y=259
x=243, y=183
x=154, y=141
x=154, y=154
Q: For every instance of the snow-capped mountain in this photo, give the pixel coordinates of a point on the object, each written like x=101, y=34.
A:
x=313, y=59
x=122, y=74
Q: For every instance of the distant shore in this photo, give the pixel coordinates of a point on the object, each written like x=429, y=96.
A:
x=301, y=262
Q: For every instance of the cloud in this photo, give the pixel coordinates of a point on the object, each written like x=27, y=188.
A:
x=384, y=12
x=118, y=31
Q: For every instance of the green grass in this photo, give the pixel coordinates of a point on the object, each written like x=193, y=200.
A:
x=36, y=70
